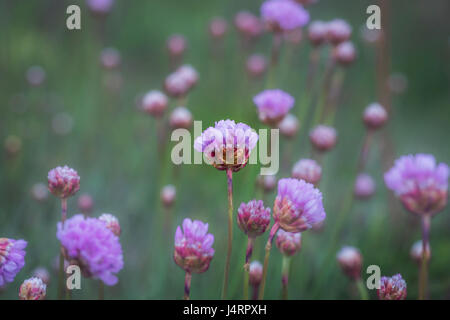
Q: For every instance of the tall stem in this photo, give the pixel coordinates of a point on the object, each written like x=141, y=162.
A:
x=248, y=255
x=285, y=276
x=275, y=54
x=423, y=280
x=273, y=231
x=61, y=257
x=362, y=289
x=187, y=285
x=230, y=232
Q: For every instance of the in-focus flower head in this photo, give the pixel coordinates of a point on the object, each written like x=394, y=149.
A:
x=417, y=250
x=85, y=203
x=317, y=32
x=89, y=244
x=338, y=31
x=256, y=65
x=255, y=273
x=180, y=117
x=288, y=243
x=364, y=186
x=176, y=45
x=168, y=195
x=298, y=205
x=227, y=145
x=33, y=289
x=111, y=222
x=248, y=24
x=289, y=126
x=63, y=182
x=308, y=170
x=344, y=53
x=110, y=58
x=218, y=27
x=375, y=116
x=323, y=138
x=253, y=218
x=350, y=261
x=42, y=273
x=100, y=6
x=193, y=246
x=392, y=288
x=12, y=259
x=154, y=103
x=283, y=15
x=273, y=105
x=419, y=182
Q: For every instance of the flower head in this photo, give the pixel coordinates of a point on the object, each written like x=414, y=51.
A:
x=392, y=288
x=189, y=74
x=85, y=203
x=32, y=289
x=89, y=244
x=375, y=116
x=39, y=192
x=154, y=103
x=253, y=218
x=288, y=243
x=63, y=182
x=180, y=117
x=420, y=183
x=248, y=24
x=256, y=65
x=218, y=27
x=12, y=259
x=42, y=273
x=111, y=222
x=317, y=32
x=283, y=15
x=100, y=6
x=364, y=186
x=350, y=260
x=289, y=126
x=273, y=105
x=417, y=250
x=255, y=273
x=176, y=45
x=308, y=170
x=298, y=205
x=168, y=195
x=323, y=138
x=193, y=246
x=266, y=182
x=344, y=53
x=338, y=31
x=227, y=144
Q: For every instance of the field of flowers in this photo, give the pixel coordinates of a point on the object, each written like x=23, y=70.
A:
x=87, y=176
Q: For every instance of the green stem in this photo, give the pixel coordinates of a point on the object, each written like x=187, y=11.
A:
x=423, y=280
x=187, y=285
x=230, y=232
x=362, y=289
x=248, y=255
x=285, y=276
x=61, y=256
x=273, y=231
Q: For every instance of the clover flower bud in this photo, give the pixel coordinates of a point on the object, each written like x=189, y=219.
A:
x=33, y=289
x=392, y=288
x=364, y=186
x=168, y=195
x=288, y=243
x=289, y=126
x=308, y=170
x=252, y=218
x=154, y=103
x=350, y=261
x=256, y=65
x=85, y=203
x=111, y=222
x=375, y=116
x=256, y=271
x=181, y=117
x=323, y=138
x=176, y=45
x=63, y=182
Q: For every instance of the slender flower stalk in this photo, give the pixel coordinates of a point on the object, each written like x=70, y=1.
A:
x=423, y=278
x=272, y=233
x=230, y=232
x=285, y=276
x=61, y=256
x=187, y=285
x=362, y=289
x=288, y=243
x=350, y=261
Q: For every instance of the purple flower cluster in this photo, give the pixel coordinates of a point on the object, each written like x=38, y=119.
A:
x=273, y=105
x=12, y=259
x=227, y=144
x=89, y=244
x=283, y=15
x=253, y=218
x=308, y=170
x=420, y=183
x=392, y=288
x=63, y=182
x=193, y=246
x=298, y=205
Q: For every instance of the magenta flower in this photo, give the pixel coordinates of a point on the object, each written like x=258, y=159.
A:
x=189, y=74
x=344, y=53
x=350, y=261
x=248, y=24
x=289, y=126
x=193, y=246
x=420, y=183
x=176, y=45
x=100, y=6
x=111, y=222
x=63, y=182
x=392, y=288
x=168, y=195
x=154, y=103
x=273, y=105
x=256, y=270
x=89, y=244
x=375, y=116
x=364, y=186
x=288, y=243
x=308, y=170
x=227, y=144
x=218, y=27
x=323, y=138
x=298, y=205
x=283, y=15
x=338, y=31
x=180, y=117
x=252, y=218
x=12, y=259
x=256, y=65
x=317, y=32
x=85, y=203
x=33, y=289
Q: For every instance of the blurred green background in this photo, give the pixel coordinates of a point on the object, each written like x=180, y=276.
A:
x=113, y=146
